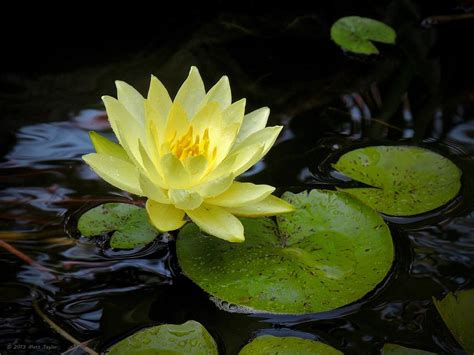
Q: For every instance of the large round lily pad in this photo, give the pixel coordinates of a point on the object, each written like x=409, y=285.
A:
x=395, y=349
x=271, y=345
x=187, y=338
x=328, y=253
x=457, y=311
x=404, y=180
x=129, y=224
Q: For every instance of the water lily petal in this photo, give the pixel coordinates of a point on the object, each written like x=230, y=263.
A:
x=220, y=93
x=241, y=193
x=153, y=191
x=165, y=217
x=155, y=124
x=116, y=172
x=177, y=122
x=270, y=206
x=185, y=199
x=218, y=222
x=174, y=173
x=196, y=166
x=253, y=122
x=104, y=146
x=235, y=112
x=158, y=97
x=191, y=93
x=125, y=127
x=132, y=100
x=215, y=187
x=208, y=117
x=150, y=169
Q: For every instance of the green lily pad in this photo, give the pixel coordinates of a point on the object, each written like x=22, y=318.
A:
x=328, y=253
x=406, y=180
x=187, y=338
x=394, y=349
x=457, y=311
x=271, y=345
x=128, y=222
x=354, y=34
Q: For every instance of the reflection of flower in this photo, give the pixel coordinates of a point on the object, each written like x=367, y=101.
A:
x=183, y=155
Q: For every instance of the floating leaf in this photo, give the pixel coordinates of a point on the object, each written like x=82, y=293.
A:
x=457, y=311
x=187, y=338
x=128, y=222
x=406, y=180
x=354, y=34
x=330, y=252
x=394, y=349
x=268, y=345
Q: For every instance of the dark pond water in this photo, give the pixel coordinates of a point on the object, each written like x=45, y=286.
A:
x=419, y=92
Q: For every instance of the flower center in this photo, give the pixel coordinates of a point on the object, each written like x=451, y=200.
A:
x=190, y=145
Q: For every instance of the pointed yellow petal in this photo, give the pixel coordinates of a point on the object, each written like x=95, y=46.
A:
x=155, y=125
x=125, y=127
x=218, y=222
x=241, y=193
x=153, y=191
x=185, y=199
x=191, y=93
x=116, y=172
x=215, y=187
x=220, y=93
x=104, y=146
x=208, y=117
x=270, y=206
x=158, y=97
x=150, y=169
x=253, y=122
x=235, y=112
x=177, y=122
x=165, y=217
x=132, y=100
x=174, y=173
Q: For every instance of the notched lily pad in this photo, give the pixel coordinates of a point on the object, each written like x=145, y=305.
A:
x=405, y=180
x=354, y=34
x=129, y=224
x=330, y=252
x=457, y=311
x=187, y=338
x=394, y=349
x=269, y=345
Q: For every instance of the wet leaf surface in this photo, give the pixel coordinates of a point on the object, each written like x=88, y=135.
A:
x=129, y=224
x=328, y=253
x=405, y=180
x=187, y=338
x=271, y=345
x=394, y=349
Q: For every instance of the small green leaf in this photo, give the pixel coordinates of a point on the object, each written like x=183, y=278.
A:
x=394, y=349
x=128, y=222
x=355, y=34
x=271, y=345
x=406, y=180
x=328, y=253
x=187, y=338
x=457, y=311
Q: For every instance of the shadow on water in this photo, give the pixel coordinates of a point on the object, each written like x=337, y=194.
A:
x=419, y=93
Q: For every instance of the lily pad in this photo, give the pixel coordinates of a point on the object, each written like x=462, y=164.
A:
x=457, y=311
x=187, y=338
x=328, y=253
x=269, y=345
x=394, y=349
x=129, y=224
x=354, y=34
x=405, y=180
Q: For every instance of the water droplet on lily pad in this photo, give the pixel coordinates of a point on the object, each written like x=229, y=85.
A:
x=129, y=224
x=187, y=338
x=355, y=34
x=268, y=344
x=457, y=311
x=404, y=180
x=330, y=252
x=394, y=349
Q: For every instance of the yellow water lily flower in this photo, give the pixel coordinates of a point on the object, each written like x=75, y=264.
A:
x=184, y=155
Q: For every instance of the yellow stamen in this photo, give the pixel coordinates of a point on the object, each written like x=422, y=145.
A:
x=185, y=146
